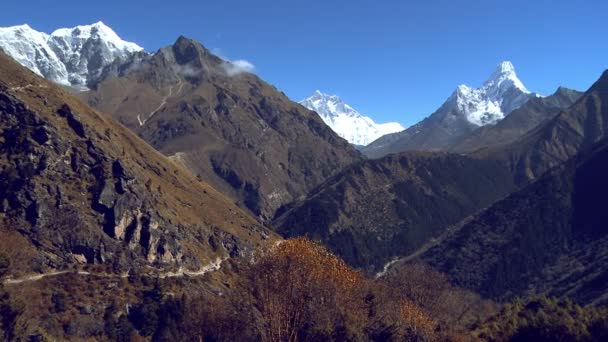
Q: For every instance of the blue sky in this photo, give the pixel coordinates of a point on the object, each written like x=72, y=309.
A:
x=392, y=60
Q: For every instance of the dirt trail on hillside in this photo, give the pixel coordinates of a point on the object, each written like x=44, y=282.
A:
x=210, y=267
x=180, y=84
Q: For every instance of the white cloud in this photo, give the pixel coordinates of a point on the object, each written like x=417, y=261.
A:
x=236, y=67
x=233, y=67
x=187, y=71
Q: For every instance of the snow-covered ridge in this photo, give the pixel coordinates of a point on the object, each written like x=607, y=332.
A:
x=69, y=56
x=346, y=121
x=502, y=93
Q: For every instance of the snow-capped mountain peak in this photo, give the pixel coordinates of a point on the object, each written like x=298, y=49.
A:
x=70, y=56
x=502, y=93
x=99, y=30
x=346, y=121
x=505, y=76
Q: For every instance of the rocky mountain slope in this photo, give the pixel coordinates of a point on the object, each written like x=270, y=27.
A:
x=550, y=237
x=76, y=188
x=565, y=135
x=519, y=122
x=69, y=56
x=231, y=128
x=464, y=111
x=380, y=209
x=346, y=121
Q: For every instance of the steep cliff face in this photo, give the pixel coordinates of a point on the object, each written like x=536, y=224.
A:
x=77, y=188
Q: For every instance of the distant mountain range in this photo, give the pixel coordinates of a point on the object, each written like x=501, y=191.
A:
x=497, y=172
x=463, y=112
x=365, y=201
x=68, y=56
x=346, y=121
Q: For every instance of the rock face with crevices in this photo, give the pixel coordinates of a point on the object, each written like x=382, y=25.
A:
x=75, y=187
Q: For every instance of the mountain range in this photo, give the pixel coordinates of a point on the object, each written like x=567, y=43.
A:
x=463, y=112
x=365, y=200
x=125, y=169
x=351, y=125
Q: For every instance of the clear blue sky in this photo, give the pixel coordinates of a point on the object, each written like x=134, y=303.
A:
x=393, y=60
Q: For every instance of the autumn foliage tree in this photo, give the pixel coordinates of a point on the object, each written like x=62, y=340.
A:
x=451, y=307
x=301, y=290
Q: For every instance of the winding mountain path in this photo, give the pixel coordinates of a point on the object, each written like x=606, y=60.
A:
x=163, y=102
x=212, y=266
x=27, y=86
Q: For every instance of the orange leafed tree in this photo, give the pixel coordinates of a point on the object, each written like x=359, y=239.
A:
x=300, y=291
x=301, y=288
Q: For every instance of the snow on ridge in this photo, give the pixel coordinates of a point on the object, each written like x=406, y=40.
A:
x=502, y=93
x=346, y=121
x=97, y=30
x=69, y=56
x=31, y=49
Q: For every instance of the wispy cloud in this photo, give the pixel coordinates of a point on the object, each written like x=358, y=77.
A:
x=236, y=67
x=187, y=70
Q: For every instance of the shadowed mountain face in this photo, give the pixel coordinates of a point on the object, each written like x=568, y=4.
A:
x=380, y=209
x=519, y=122
x=550, y=237
x=77, y=188
x=227, y=126
x=548, y=145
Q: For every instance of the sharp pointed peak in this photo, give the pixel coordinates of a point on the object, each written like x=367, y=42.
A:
x=505, y=67
x=504, y=70
x=505, y=75
x=187, y=41
x=318, y=93
x=99, y=24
